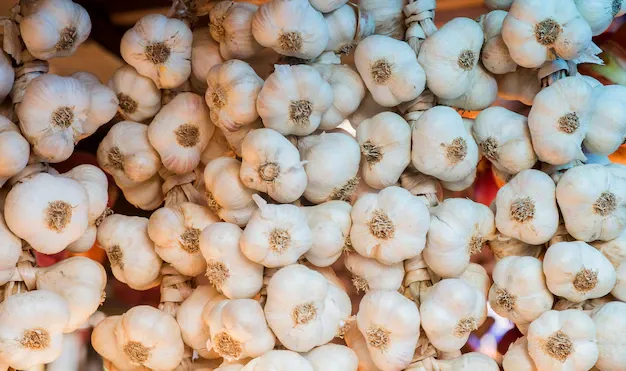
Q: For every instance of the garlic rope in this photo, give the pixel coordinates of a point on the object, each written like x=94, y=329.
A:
x=175, y=288
x=418, y=279
x=423, y=186
x=420, y=16
x=179, y=188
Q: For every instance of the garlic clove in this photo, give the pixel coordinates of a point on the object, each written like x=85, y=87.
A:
x=189, y=317
x=7, y=76
x=96, y=184
x=517, y=358
x=14, y=149
x=231, y=25
x=330, y=226
x=104, y=342
x=103, y=102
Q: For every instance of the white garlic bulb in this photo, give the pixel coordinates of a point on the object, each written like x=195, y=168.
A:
x=333, y=357
x=10, y=252
x=607, y=120
x=291, y=27
x=104, y=342
x=139, y=98
x=230, y=24
x=615, y=251
x=7, y=76
x=526, y=207
x=495, y=54
x=14, y=149
x=193, y=330
x=330, y=228
x=103, y=103
x=609, y=321
x=159, y=48
x=389, y=69
x=205, y=53
x=279, y=360
x=459, y=228
x=389, y=226
x=600, y=13
x=347, y=25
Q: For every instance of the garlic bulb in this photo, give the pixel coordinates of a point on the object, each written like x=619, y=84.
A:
x=521, y=85
x=279, y=360
x=291, y=27
x=517, y=358
x=139, y=98
x=228, y=270
x=205, y=53
x=232, y=93
x=577, y=271
x=238, y=330
x=389, y=69
x=102, y=105
x=502, y=246
x=333, y=357
x=391, y=325
x=231, y=26
x=600, y=13
x=10, y=252
x=609, y=321
x=14, y=149
x=482, y=93
x=499, y=4
x=271, y=164
x=7, y=76
x=301, y=309
x=607, y=120
x=181, y=131
x=189, y=317
x=58, y=216
x=615, y=251
x=450, y=155
x=294, y=98
x=591, y=199
x=159, y=48
x=503, y=137
x=277, y=235
x=385, y=141
x=347, y=25
x=450, y=312
x=495, y=54
x=563, y=340
x=519, y=290
x=389, y=226
x=330, y=228
x=104, y=343
x=150, y=338
x=53, y=28
x=526, y=208
x=131, y=252
x=31, y=328
x=330, y=177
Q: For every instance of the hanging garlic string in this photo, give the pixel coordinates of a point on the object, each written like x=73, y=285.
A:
x=175, y=288
x=179, y=188
x=422, y=186
x=420, y=23
x=556, y=70
x=24, y=277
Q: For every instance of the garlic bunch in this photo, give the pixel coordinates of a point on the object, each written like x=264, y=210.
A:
x=615, y=251
x=347, y=26
x=10, y=252
x=159, y=48
x=609, y=321
x=495, y=54
x=205, y=53
x=389, y=226
x=53, y=28
x=230, y=24
x=294, y=98
x=291, y=27
x=600, y=13
x=7, y=76
x=503, y=137
x=102, y=104
x=330, y=224
x=303, y=308
x=333, y=357
x=517, y=358
x=450, y=312
x=271, y=164
x=232, y=93
x=279, y=360
x=14, y=149
x=193, y=330
x=526, y=208
x=330, y=177
x=607, y=120
x=385, y=141
x=521, y=85
x=459, y=228
x=389, y=69
x=139, y=98
x=390, y=324
x=228, y=269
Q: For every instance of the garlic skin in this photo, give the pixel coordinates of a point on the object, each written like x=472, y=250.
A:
x=577, y=271
x=389, y=69
x=563, y=340
x=150, y=338
x=517, y=358
x=138, y=97
x=607, y=120
x=294, y=98
x=7, y=76
x=459, y=228
x=205, y=53
x=104, y=343
x=526, y=208
x=229, y=271
x=519, y=290
x=232, y=93
x=504, y=138
x=53, y=28
x=301, y=309
x=181, y=131
x=330, y=228
x=189, y=318
x=159, y=48
x=502, y=246
x=495, y=54
x=131, y=252
x=609, y=321
x=615, y=251
x=537, y=32
x=279, y=360
x=450, y=155
x=385, y=141
x=10, y=252
x=31, y=328
x=57, y=217
x=277, y=235
x=14, y=149
x=600, y=13
x=330, y=177
x=389, y=226
x=231, y=26
x=591, y=199
x=451, y=311
x=390, y=324
x=238, y=330
x=291, y=27
x=333, y=357
x=103, y=102
x=521, y=85
x=271, y=164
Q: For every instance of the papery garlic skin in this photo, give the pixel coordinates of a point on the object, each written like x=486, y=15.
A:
x=189, y=317
x=607, y=120
x=521, y=85
x=609, y=321
x=279, y=360
x=228, y=269
x=291, y=27
x=104, y=343
x=615, y=251
x=102, y=105
x=600, y=13
x=54, y=28
x=563, y=340
x=7, y=76
x=159, y=48
x=517, y=358
x=14, y=149
x=231, y=26
x=389, y=226
x=205, y=53
x=10, y=252
x=385, y=141
x=139, y=98
x=390, y=324
x=526, y=208
x=333, y=357
x=330, y=224
x=502, y=246
x=389, y=69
